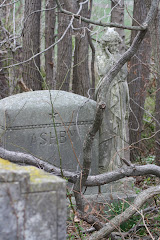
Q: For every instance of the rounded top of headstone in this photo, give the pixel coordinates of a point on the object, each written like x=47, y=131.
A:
x=40, y=106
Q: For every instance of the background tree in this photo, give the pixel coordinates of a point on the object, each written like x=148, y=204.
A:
x=50, y=63
x=81, y=78
x=3, y=80
x=64, y=53
x=155, y=33
x=117, y=16
x=138, y=78
x=31, y=44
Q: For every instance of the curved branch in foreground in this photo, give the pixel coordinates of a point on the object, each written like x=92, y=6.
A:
x=97, y=180
x=132, y=171
x=124, y=216
x=28, y=159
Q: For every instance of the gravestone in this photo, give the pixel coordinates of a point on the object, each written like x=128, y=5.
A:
x=51, y=125
x=32, y=204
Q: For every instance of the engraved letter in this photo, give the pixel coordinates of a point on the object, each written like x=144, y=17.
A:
x=43, y=137
x=51, y=138
x=62, y=136
x=33, y=139
x=72, y=132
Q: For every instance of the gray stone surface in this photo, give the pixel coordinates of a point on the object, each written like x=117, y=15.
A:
x=32, y=204
x=26, y=124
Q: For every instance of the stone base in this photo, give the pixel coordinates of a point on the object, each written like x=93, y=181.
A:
x=120, y=186
x=32, y=204
x=114, y=192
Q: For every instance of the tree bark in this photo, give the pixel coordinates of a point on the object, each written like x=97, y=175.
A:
x=155, y=30
x=4, y=86
x=93, y=58
x=81, y=78
x=138, y=78
x=31, y=44
x=50, y=20
x=117, y=16
x=64, y=54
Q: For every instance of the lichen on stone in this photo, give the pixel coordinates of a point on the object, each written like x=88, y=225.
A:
x=36, y=175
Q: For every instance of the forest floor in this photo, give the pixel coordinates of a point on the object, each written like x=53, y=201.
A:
x=150, y=229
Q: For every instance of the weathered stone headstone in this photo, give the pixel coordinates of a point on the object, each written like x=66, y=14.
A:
x=32, y=204
x=51, y=125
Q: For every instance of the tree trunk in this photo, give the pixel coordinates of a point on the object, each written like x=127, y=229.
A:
x=138, y=78
x=81, y=78
x=117, y=16
x=4, y=86
x=3, y=81
x=31, y=44
x=50, y=20
x=155, y=33
x=64, y=55
x=157, y=144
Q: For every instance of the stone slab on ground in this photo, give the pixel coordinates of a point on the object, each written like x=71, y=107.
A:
x=32, y=204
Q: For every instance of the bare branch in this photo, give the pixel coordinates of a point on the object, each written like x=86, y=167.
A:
x=130, y=52
x=39, y=53
x=109, y=177
x=87, y=155
x=124, y=216
x=97, y=180
x=91, y=219
x=8, y=4
x=28, y=159
x=99, y=23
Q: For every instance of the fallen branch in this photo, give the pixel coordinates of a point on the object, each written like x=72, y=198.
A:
x=28, y=159
x=124, y=216
x=97, y=180
x=135, y=170
x=91, y=219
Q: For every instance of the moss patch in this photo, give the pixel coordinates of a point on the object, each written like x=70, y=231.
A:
x=36, y=174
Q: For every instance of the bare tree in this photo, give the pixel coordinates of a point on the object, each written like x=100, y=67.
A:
x=3, y=81
x=81, y=78
x=4, y=85
x=155, y=34
x=138, y=78
x=31, y=44
x=50, y=21
x=117, y=16
x=64, y=53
